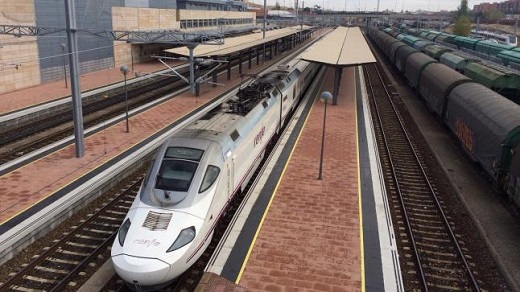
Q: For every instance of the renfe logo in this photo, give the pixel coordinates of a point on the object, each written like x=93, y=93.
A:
x=259, y=136
x=147, y=242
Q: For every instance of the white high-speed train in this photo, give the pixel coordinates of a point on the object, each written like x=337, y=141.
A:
x=195, y=175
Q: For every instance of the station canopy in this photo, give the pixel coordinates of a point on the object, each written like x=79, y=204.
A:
x=345, y=46
x=236, y=44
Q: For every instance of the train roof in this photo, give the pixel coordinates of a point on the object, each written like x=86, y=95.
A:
x=422, y=44
x=466, y=40
x=511, y=55
x=490, y=76
x=499, y=114
x=490, y=44
x=225, y=123
x=443, y=79
x=435, y=51
x=414, y=66
x=489, y=123
x=445, y=37
x=220, y=126
x=454, y=61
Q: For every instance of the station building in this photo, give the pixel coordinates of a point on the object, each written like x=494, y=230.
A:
x=31, y=60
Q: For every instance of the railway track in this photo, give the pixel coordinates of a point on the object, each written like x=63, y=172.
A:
x=62, y=265
x=432, y=255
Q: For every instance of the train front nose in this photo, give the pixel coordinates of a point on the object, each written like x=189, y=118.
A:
x=141, y=271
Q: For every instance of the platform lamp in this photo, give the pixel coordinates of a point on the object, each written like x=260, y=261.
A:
x=124, y=70
x=324, y=97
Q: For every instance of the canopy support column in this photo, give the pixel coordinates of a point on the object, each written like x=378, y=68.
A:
x=229, y=70
x=240, y=64
x=337, y=79
x=192, y=69
x=215, y=76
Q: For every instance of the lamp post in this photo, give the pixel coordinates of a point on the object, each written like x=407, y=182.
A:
x=124, y=70
x=63, y=46
x=324, y=97
x=264, y=28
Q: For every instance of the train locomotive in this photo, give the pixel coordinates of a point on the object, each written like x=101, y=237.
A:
x=195, y=175
x=485, y=123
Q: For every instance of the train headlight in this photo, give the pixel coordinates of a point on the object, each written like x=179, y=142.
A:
x=185, y=237
x=123, y=231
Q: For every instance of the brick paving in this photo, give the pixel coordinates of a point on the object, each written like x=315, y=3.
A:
x=211, y=282
x=310, y=238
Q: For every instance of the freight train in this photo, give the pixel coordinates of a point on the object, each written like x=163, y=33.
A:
x=197, y=173
x=480, y=45
x=485, y=123
x=500, y=79
x=505, y=54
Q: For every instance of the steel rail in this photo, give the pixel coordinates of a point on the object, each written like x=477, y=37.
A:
x=427, y=180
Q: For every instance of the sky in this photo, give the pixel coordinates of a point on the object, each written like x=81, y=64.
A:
x=371, y=5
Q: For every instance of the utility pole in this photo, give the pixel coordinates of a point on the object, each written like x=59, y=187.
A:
x=74, y=78
x=301, y=25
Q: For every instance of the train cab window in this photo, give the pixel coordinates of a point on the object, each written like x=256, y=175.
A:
x=178, y=169
x=184, y=153
x=209, y=178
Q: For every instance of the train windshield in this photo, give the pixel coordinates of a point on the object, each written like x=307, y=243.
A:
x=178, y=169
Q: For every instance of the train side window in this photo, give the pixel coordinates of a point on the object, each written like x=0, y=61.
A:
x=209, y=178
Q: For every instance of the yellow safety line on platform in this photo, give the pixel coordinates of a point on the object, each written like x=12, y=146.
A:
x=362, y=243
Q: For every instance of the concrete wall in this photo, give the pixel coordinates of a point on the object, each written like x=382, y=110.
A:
x=19, y=63
x=95, y=52
x=132, y=18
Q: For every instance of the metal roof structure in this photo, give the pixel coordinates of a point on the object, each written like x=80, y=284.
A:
x=345, y=46
x=235, y=44
x=171, y=36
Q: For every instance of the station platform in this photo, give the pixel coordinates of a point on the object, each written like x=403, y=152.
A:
x=312, y=234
